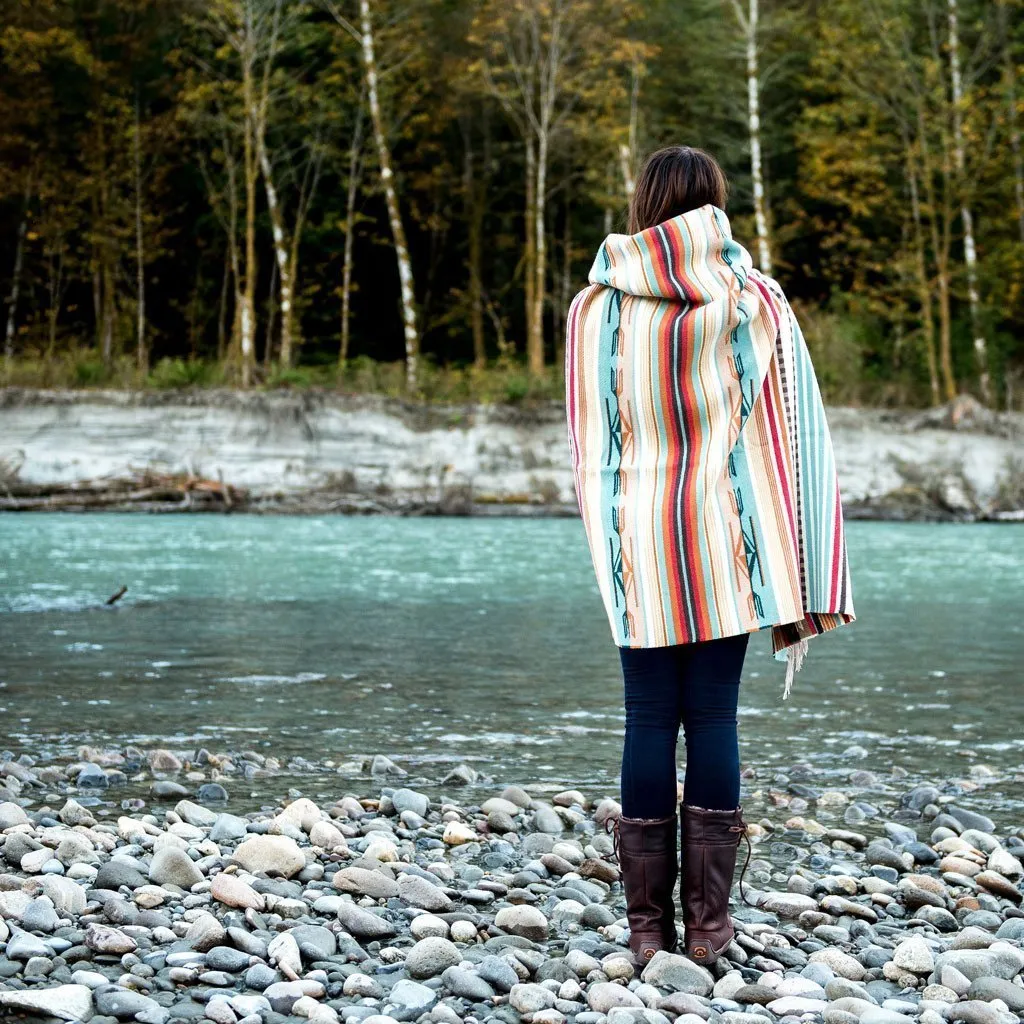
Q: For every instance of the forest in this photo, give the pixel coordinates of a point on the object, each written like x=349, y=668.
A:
x=404, y=195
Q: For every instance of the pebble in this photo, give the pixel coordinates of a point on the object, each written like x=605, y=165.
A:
x=363, y=923
x=265, y=854
x=431, y=956
x=678, y=974
x=412, y=996
x=232, y=891
x=174, y=867
x=194, y=914
x=418, y=892
x=605, y=995
x=526, y=921
x=987, y=989
x=365, y=882
x=914, y=955
x=66, y=1002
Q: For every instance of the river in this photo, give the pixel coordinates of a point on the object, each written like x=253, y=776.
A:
x=440, y=641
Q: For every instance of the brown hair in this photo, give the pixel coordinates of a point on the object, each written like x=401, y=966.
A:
x=674, y=180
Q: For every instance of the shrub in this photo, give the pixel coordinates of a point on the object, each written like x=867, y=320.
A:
x=179, y=373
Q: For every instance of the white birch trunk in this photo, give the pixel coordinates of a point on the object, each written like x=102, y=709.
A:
x=284, y=270
x=19, y=260
x=412, y=339
x=247, y=293
x=628, y=150
x=535, y=337
x=764, y=257
x=625, y=161
x=966, y=216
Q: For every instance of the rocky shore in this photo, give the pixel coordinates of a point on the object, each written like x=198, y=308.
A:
x=500, y=906
x=322, y=453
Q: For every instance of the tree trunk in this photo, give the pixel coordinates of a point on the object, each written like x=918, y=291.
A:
x=247, y=304
x=535, y=333
x=1010, y=74
x=565, y=283
x=764, y=257
x=412, y=338
x=628, y=150
x=106, y=272
x=940, y=247
x=966, y=216
x=222, y=313
x=141, y=351
x=923, y=289
x=19, y=260
x=284, y=270
x=474, y=213
x=268, y=344
x=529, y=249
x=354, y=175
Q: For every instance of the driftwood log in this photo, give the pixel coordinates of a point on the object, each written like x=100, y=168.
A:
x=163, y=492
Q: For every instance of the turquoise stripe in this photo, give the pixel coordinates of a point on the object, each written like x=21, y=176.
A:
x=607, y=363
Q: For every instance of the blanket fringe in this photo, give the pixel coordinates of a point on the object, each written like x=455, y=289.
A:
x=794, y=662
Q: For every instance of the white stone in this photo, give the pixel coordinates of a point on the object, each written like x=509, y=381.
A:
x=914, y=955
x=68, y=1002
x=277, y=854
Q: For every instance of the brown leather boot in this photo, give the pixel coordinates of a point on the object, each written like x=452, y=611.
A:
x=646, y=848
x=710, y=840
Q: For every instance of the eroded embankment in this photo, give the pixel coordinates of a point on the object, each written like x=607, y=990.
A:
x=320, y=452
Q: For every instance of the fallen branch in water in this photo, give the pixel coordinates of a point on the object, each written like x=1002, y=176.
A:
x=114, y=598
x=147, y=490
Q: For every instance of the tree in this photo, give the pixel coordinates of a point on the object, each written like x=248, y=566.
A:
x=960, y=102
x=748, y=21
x=371, y=72
x=542, y=60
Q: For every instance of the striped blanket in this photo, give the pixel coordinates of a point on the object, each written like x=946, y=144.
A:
x=703, y=463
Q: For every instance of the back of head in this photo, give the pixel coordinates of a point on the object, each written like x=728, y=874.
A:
x=675, y=180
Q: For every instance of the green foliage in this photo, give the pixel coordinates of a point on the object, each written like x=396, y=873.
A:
x=169, y=374
x=123, y=149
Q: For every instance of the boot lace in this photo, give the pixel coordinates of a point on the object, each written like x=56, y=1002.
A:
x=611, y=825
x=740, y=828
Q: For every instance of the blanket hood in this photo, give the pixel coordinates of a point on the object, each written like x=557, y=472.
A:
x=690, y=258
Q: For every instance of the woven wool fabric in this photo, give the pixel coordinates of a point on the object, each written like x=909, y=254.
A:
x=703, y=463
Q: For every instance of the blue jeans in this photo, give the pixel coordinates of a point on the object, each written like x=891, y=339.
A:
x=696, y=686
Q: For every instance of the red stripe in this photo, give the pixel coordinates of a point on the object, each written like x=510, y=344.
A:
x=782, y=472
x=837, y=537
x=674, y=555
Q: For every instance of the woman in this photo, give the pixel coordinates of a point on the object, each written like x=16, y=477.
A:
x=706, y=482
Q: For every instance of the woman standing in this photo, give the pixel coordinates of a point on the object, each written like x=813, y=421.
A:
x=706, y=481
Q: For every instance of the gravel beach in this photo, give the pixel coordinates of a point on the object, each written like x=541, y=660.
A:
x=879, y=903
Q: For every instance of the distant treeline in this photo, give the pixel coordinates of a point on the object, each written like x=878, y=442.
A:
x=292, y=191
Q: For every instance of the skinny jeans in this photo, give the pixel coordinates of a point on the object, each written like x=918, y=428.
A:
x=695, y=686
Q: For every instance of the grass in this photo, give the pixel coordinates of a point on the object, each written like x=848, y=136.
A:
x=502, y=382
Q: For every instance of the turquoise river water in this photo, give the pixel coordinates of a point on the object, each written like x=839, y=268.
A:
x=437, y=641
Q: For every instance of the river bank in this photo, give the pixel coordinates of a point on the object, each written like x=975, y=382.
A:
x=317, y=452
x=880, y=901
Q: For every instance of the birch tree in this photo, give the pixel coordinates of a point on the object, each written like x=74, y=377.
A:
x=230, y=90
x=365, y=35
x=541, y=60
x=748, y=21
x=966, y=215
